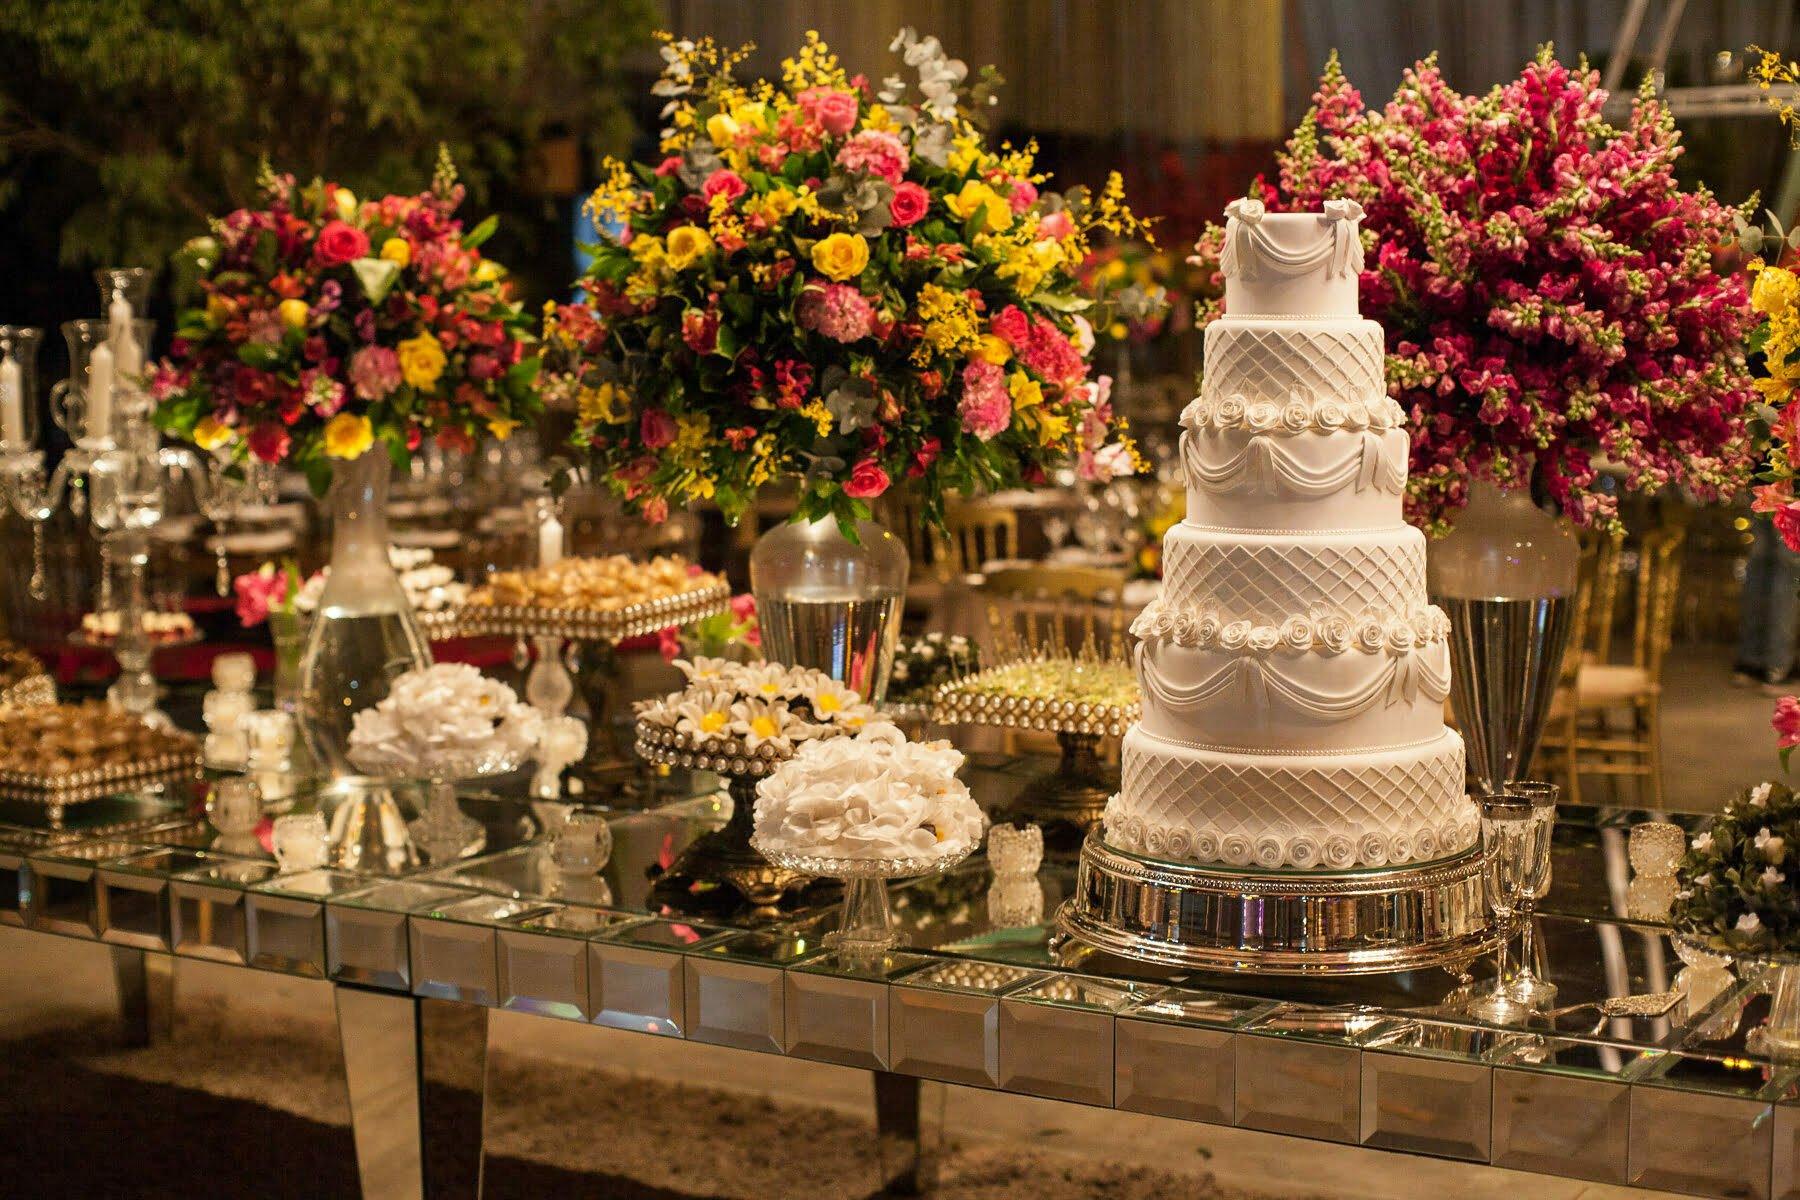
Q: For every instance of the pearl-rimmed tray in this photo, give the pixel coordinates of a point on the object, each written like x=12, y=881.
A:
x=612, y=625
x=961, y=703
x=99, y=782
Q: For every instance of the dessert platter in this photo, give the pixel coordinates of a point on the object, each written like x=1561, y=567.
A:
x=101, y=629
x=1291, y=799
x=605, y=599
x=53, y=756
x=23, y=679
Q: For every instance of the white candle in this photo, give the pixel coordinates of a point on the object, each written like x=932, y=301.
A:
x=121, y=335
x=100, y=392
x=550, y=542
x=12, y=403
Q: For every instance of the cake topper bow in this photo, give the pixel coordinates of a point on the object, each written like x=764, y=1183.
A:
x=1242, y=218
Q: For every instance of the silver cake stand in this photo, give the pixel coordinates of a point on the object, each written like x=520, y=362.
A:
x=1219, y=918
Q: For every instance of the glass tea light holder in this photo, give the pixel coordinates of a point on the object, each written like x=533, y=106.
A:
x=234, y=806
x=268, y=739
x=301, y=842
x=1655, y=848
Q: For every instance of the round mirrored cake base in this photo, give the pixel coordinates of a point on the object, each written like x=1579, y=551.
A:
x=1278, y=922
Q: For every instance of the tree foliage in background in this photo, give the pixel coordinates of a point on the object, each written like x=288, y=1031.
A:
x=156, y=111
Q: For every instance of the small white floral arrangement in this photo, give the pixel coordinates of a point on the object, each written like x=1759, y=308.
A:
x=1737, y=879
x=874, y=795
x=447, y=713
x=925, y=663
x=766, y=708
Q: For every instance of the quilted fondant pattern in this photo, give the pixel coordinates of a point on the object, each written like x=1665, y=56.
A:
x=1270, y=581
x=1274, y=364
x=1405, y=798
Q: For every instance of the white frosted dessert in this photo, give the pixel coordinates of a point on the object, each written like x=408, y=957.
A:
x=1293, y=672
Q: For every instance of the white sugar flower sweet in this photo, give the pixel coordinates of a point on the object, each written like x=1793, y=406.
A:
x=770, y=681
x=831, y=700
x=759, y=721
x=702, y=669
x=704, y=718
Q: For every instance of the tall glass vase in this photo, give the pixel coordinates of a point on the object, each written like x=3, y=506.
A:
x=363, y=635
x=1506, y=575
x=288, y=632
x=827, y=602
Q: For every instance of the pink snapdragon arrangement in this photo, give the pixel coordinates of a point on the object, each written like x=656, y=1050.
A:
x=268, y=589
x=1548, y=289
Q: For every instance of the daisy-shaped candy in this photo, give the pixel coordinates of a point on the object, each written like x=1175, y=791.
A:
x=831, y=700
x=759, y=721
x=769, y=681
x=704, y=717
x=701, y=669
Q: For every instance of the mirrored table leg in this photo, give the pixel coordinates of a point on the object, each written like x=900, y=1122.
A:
x=909, y=1120
x=416, y=1075
x=146, y=989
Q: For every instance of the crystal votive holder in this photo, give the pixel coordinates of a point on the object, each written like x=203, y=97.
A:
x=1656, y=847
x=1015, y=850
x=234, y=806
x=268, y=738
x=234, y=672
x=300, y=842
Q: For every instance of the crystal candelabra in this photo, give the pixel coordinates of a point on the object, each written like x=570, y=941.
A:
x=117, y=473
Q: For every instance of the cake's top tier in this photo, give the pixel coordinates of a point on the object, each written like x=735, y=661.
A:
x=1291, y=265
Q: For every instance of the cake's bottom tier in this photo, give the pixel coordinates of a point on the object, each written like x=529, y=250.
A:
x=1327, y=811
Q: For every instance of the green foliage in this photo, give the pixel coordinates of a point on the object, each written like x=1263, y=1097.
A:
x=159, y=110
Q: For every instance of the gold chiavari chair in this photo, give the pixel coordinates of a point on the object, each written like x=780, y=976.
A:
x=979, y=533
x=1583, y=717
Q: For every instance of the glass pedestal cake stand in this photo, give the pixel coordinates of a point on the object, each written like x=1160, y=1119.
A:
x=550, y=687
x=865, y=920
x=368, y=828
x=1070, y=800
x=721, y=870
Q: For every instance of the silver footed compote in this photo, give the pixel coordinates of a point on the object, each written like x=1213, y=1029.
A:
x=442, y=832
x=865, y=920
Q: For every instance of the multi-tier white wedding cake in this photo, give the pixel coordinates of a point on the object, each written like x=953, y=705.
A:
x=1293, y=673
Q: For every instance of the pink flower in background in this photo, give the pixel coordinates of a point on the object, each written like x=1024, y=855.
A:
x=269, y=441
x=668, y=642
x=877, y=152
x=324, y=395
x=657, y=429
x=374, y=372
x=1106, y=463
x=727, y=183
x=1786, y=722
x=986, y=408
x=909, y=205
x=867, y=481
x=835, y=310
x=1050, y=354
x=1013, y=326
x=1024, y=195
x=1056, y=224
x=835, y=111
x=259, y=593
x=656, y=510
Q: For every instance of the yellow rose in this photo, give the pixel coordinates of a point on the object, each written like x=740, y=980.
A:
x=992, y=349
x=347, y=435
x=841, y=256
x=397, y=250
x=421, y=361
x=210, y=433
x=345, y=199
x=722, y=129
x=293, y=313
x=979, y=197
x=1776, y=288
x=686, y=245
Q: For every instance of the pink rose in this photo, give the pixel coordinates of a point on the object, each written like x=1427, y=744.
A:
x=867, y=481
x=1056, y=224
x=657, y=428
x=835, y=111
x=724, y=183
x=909, y=205
x=339, y=243
x=668, y=166
x=1024, y=195
x=1786, y=721
x=1013, y=326
x=668, y=642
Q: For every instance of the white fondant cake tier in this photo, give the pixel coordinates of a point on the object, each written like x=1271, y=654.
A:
x=1243, y=479
x=1267, y=578
x=1327, y=811
x=1340, y=359
x=1284, y=700
x=1291, y=264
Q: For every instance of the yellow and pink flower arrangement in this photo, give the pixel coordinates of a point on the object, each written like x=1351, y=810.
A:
x=835, y=284
x=324, y=323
